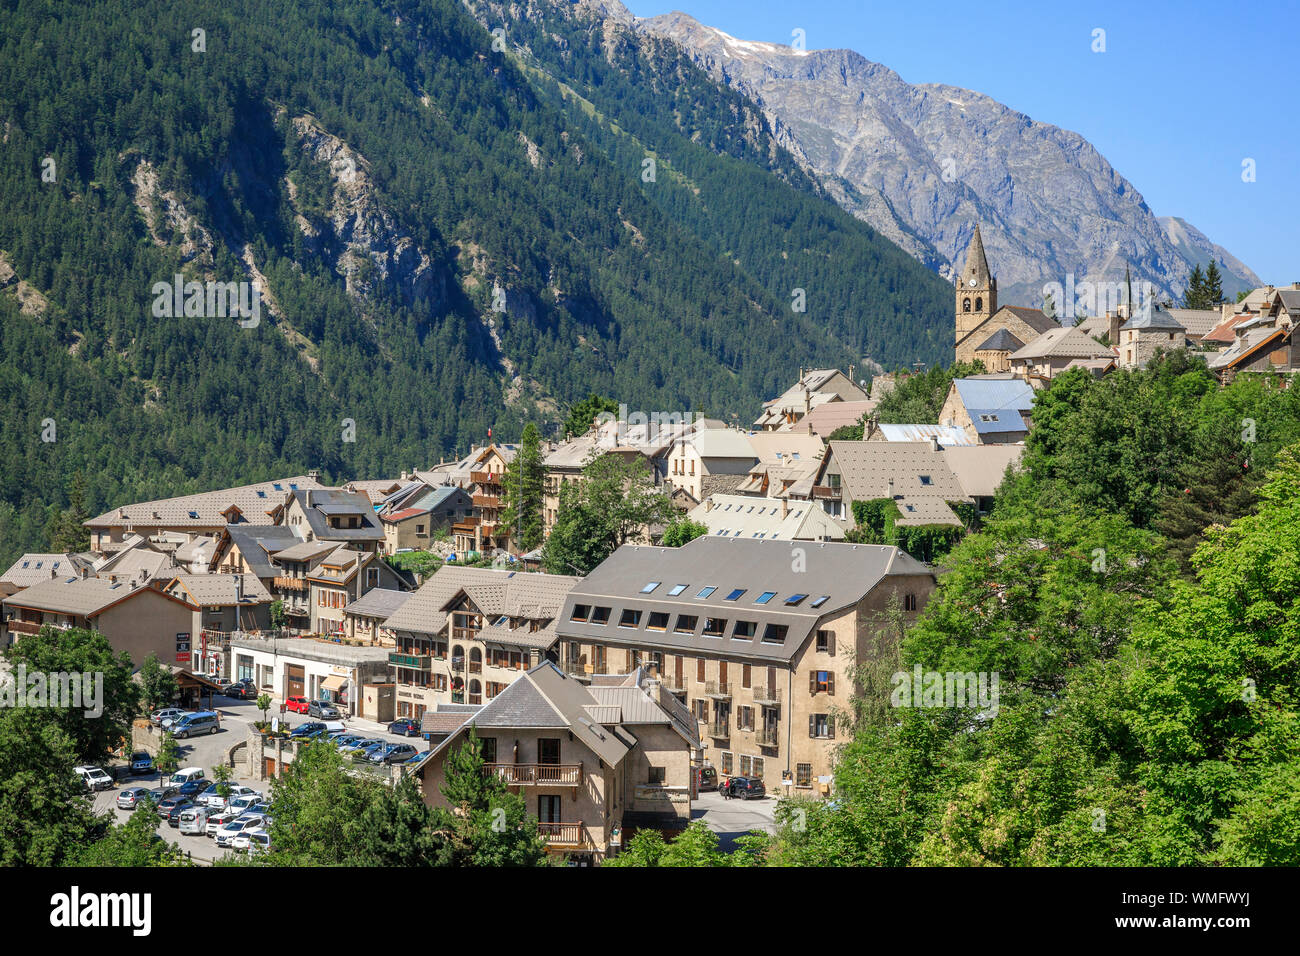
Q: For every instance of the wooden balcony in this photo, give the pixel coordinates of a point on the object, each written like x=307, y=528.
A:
x=487, y=501
x=290, y=584
x=415, y=662
x=485, y=477
x=566, y=836
x=825, y=491
x=536, y=774
x=23, y=627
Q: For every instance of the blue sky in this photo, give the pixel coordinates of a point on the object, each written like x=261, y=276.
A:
x=1183, y=94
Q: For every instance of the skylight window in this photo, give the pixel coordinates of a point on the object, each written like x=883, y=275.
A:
x=735, y=595
x=676, y=590
x=794, y=599
x=821, y=600
x=261, y=494
x=705, y=592
x=194, y=514
x=650, y=587
x=925, y=479
x=292, y=486
x=765, y=597
x=277, y=486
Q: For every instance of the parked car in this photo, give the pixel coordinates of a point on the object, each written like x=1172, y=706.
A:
x=212, y=798
x=249, y=821
x=405, y=726
x=141, y=762
x=131, y=797
x=167, y=713
x=746, y=788
x=174, y=803
x=219, y=819
x=197, y=725
x=240, y=689
x=252, y=841
x=419, y=755
x=304, y=730
x=397, y=753
x=95, y=778
x=159, y=794
x=367, y=748
x=323, y=709
x=189, y=775
x=706, y=778
x=193, y=820
x=296, y=705
x=239, y=808
x=361, y=743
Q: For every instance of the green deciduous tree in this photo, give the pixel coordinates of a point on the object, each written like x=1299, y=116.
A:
x=157, y=685
x=682, y=530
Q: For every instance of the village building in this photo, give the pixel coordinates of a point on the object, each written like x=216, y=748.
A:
x=334, y=516
x=1054, y=351
x=206, y=513
x=989, y=409
x=1149, y=330
x=759, y=639
x=815, y=388
x=595, y=763
x=467, y=633
x=355, y=678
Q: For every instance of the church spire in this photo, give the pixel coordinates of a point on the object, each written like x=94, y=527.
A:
x=977, y=264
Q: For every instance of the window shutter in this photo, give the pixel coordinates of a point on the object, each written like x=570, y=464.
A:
x=830, y=683
x=812, y=683
x=699, y=670
x=830, y=643
x=812, y=725
x=830, y=727
x=744, y=675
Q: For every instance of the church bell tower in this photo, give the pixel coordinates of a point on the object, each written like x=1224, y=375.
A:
x=977, y=290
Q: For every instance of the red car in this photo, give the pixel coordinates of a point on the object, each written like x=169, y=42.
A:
x=298, y=705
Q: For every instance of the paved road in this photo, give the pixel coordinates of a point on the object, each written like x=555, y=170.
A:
x=734, y=818
x=209, y=751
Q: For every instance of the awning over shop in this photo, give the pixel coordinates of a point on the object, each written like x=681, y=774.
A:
x=333, y=684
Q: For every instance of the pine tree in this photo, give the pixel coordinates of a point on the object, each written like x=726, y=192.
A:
x=1213, y=285
x=1195, y=296
x=524, y=487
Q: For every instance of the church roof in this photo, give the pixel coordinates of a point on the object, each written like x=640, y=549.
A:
x=1000, y=341
x=1036, y=319
x=1155, y=318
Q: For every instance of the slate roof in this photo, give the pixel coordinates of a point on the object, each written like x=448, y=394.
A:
x=1197, y=322
x=256, y=544
x=253, y=501
x=80, y=597
x=219, y=589
x=1155, y=319
x=745, y=516
x=980, y=468
x=1001, y=400
x=1000, y=341
x=1036, y=319
x=841, y=573
x=947, y=434
x=827, y=417
x=34, y=567
x=517, y=593
x=917, y=470
x=318, y=504
x=378, y=602
x=1071, y=342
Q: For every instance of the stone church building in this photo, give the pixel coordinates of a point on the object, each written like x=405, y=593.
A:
x=986, y=331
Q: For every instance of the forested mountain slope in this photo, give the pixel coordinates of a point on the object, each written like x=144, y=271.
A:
x=380, y=169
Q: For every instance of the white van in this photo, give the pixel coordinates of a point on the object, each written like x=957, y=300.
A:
x=188, y=775
x=333, y=727
x=194, y=820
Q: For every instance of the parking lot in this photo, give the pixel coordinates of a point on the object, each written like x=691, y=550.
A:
x=209, y=751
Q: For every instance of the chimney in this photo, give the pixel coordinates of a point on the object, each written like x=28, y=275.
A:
x=785, y=507
x=708, y=504
x=1112, y=328
x=934, y=443
x=891, y=488
x=239, y=589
